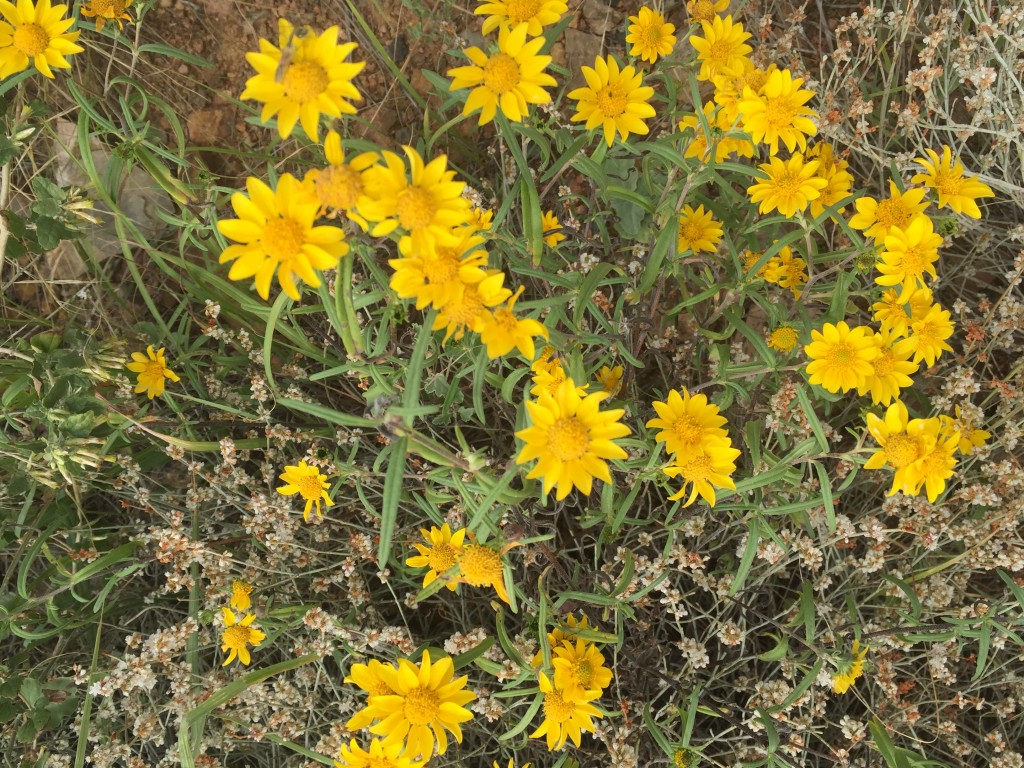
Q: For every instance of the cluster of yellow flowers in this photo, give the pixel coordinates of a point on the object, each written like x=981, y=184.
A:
x=783, y=269
x=701, y=449
x=239, y=633
x=448, y=556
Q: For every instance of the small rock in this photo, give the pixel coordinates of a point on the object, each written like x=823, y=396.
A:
x=581, y=48
x=208, y=125
x=602, y=18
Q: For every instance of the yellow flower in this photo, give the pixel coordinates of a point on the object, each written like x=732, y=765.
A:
x=305, y=77
x=698, y=231
x=483, y=566
x=509, y=14
x=687, y=424
x=840, y=356
x=35, y=34
x=685, y=758
x=724, y=143
x=790, y=185
x=429, y=206
x=838, y=180
x=579, y=668
x=549, y=223
x=425, y=702
x=779, y=114
x=435, y=274
x=908, y=256
x=783, y=338
x=237, y=635
x=938, y=462
x=729, y=89
x=548, y=375
x=650, y=36
x=502, y=331
x=929, y=334
x=439, y=554
x=276, y=232
x=892, y=315
x=565, y=718
x=571, y=438
x=108, y=10
x=709, y=468
x=786, y=270
x=610, y=379
x=339, y=186
x=153, y=371
x=903, y=444
x=378, y=756
x=308, y=483
x=970, y=438
x=480, y=219
x=564, y=633
x=614, y=99
x=947, y=178
x=705, y=10
x=469, y=307
x=891, y=370
x=722, y=49
x=368, y=677
x=750, y=259
x=898, y=210
x=510, y=79
x=240, y=592
x=849, y=669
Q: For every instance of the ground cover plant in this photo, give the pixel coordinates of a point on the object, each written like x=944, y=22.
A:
x=586, y=384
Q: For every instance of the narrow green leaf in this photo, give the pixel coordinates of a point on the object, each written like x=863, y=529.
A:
x=393, y=481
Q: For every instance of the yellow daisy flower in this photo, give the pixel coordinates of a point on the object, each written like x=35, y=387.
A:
x=750, y=259
x=970, y=437
x=891, y=313
x=35, y=34
x=428, y=206
x=108, y=10
x=850, y=669
x=779, y=114
x=308, y=483
x=724, y=143
x=305, y=77
x=339, y=186
x=705, y=10
x=579, y=668
x=483, y=566
x=240, y=595
x=902, y=444
x=614, y=99
x=840, y=356
x=650, y=35
x=722, y=49
x=276, y=232
x=572, y=439
x=838, y=180
x=789, y=187
x=238, y=635
x=786, y=270
x=928, y=334
x=426, y=701
x=368, y=677
x=439, y=554
x=729, y=89
x=470, y=306
x=610, y=379
x=435, y=274
x=377, y=756
x=937, y=464
x=899, y=210
x=564, y=633
x=502, y=331
x=480, y=219
x=509, y=80
x=908, y=256
x=153, y=371
x=550, y=225
x=564, y=717
x=783, y=338
x=548, y=375
x=891, y=370
x=947, y=178
x=709, y=468
x=687, y=424
x=509, y=14
x=698, y=231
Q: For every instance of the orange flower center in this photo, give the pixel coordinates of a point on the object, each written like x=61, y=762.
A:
x=522, y=10
x=506, y=320
x=612, y=101
x=442, y=557
x=650, y=36
x=885, y=363
x=310, y=487
x=440, y=265
x=31, y=39
x=283, y=238
x=842, y=354
x=691, y=232
x=422, y=706
x=501, y=74
x=304, y=81
x=702, y=10
x=415, y=208
x=948, y=183
x=902, y=450
x=914, y=261
x=557, y=708
x=783, y=338
x=154, y=370
x=780, y=111
x=698, y=468
x=584, y=672
x=893, y=213
x=236, y=637
x=687, y=429
x=480, y=565
x=339, y=186
x=568, y=439
x=108, y=9
x=465, y=310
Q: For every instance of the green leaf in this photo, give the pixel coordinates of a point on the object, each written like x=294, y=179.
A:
x=393, y=481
